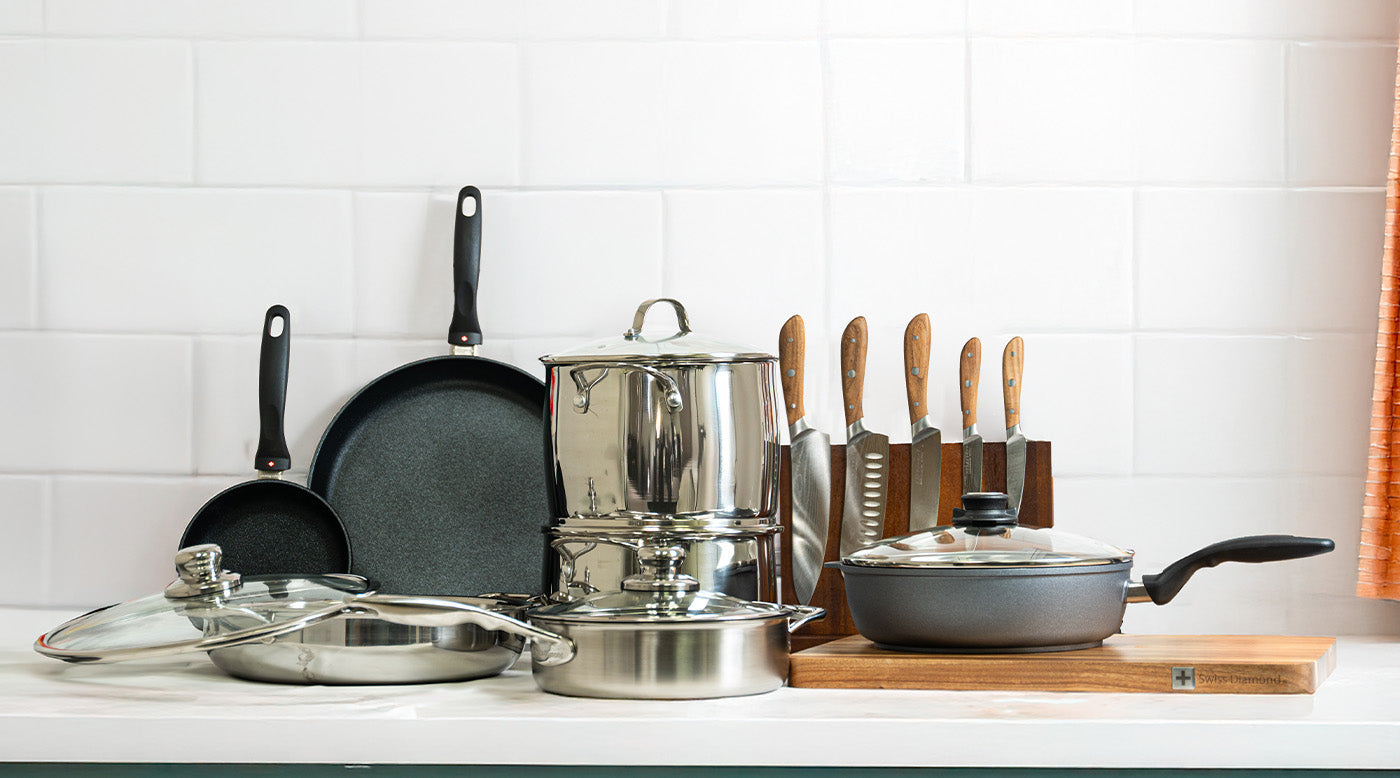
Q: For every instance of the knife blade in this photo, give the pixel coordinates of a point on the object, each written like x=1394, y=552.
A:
x=926, y=450
x=867, y=453
x=811, y=466
x=1012, y=364
x=969, y=371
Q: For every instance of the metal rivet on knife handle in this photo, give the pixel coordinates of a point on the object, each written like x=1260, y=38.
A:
x=916, y=351
x=1012, y=364
x=969, y=369
x=853, y=343
x=792, y=355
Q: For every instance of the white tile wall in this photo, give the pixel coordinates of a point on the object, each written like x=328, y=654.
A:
x=1178, y=204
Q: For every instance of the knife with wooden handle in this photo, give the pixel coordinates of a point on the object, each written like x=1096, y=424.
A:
x=811, y=466
x=1012, y=364
x=969, y=371
x=867, y=453
x=926, y=449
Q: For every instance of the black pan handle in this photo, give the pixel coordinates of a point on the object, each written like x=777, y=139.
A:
x=1161, y=588
x=273, y=456
x=466, y=267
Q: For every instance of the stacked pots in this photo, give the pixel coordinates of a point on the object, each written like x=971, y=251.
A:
x=663, y=440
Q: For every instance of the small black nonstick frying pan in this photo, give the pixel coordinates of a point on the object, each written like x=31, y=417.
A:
x=437, y=468
x=269, y=526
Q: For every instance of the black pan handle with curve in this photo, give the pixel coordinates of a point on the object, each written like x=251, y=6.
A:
x=465, y=330
x=1162, y=587
x=271, y=526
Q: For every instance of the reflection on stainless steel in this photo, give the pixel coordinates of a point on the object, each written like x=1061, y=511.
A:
x=587, y=557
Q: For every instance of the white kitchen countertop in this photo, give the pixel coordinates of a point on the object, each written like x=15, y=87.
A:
x=186, y=710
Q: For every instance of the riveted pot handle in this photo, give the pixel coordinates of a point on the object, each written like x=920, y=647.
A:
x=682, y=320
x=436, y=612
x=801, y=614
x=671, y=389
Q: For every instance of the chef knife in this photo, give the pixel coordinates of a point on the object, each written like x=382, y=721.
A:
x=926, y=451
x=867, y=453
x=811, y=466
x=969, y=369
x=1012, y=362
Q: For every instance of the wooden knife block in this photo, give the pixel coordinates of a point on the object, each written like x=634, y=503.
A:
x=1037, y=510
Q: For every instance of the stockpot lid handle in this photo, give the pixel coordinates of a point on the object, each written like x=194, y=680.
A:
x=661, y=567
x=201, y=573
x=682, y=320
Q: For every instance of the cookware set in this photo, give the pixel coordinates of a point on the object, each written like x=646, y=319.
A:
x=620, y=518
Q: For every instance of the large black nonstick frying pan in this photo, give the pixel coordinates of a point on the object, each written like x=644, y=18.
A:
x=269, y=526
x=437, y=468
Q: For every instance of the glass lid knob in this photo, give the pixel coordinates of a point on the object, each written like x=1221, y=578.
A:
x=661, y=571
x=200, y=573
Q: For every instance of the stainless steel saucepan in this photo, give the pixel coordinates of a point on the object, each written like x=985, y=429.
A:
x=330, y=629
x=987, y=585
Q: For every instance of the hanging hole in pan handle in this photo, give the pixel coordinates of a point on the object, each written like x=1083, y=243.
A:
x=682, y=320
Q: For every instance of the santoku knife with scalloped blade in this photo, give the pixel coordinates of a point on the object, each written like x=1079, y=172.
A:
x=811, y=466
x=926, y=449
x=867, y=453
x=969, y=370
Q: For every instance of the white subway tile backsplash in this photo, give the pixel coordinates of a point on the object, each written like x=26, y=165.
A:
x=193, y=260
x=1210, y=111
x=614, y=19
x=403, y=261
x=226, y=402
x=742, y=262
x=128, y=528
x=17, y=257
x=1215, y=259
x=24, y=571
x=441, y=19
x=593, y=113
x=1212, y=406
x=883, y=18
x=282, y=113
x=736, y=113
x=437, y=114
x=1052, y=110
x=741, y=19
x=1340, y=109
x=95, y=403
x=1327, y=390
x=1089, y=436
x=1356, y=19
x=176, y=18
x=1363, y=19
x=96, y=111
x=21, y=17
x=1335, y=241
x=1053, y=258
x=559, y=263
x=897, y=110
x=1049, y=17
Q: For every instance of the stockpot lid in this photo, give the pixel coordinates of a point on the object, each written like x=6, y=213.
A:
x=660, y=593
x=680, y=347
x=984, y=533
x=205, y=609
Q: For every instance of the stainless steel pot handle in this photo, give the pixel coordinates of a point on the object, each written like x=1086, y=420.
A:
x=436, y=612
x=804, y=614
x=668, y=385
x=682, y=320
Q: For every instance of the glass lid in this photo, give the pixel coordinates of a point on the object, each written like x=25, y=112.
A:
x=659, y=593
x=680, y=346
x=206, y=608
x=984, y=533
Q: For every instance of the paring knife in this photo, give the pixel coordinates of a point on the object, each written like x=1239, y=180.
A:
x=867, y=453
x=1012, y=362
x=811, y=466
x=926, y=452
x=969, y=370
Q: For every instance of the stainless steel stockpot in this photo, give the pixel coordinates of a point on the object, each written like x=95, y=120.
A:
x=674, y=426
x=661, y=637
x=588, y=556
x=315, y=629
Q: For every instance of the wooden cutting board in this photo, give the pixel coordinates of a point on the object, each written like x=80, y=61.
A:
x=1188, y=664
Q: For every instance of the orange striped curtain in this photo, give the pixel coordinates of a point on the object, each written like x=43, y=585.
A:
x=1379, y=567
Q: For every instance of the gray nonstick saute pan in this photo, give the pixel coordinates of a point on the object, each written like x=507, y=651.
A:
x=328, y=629
x=269, y=526
x=437, y=468
x=986, y=585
